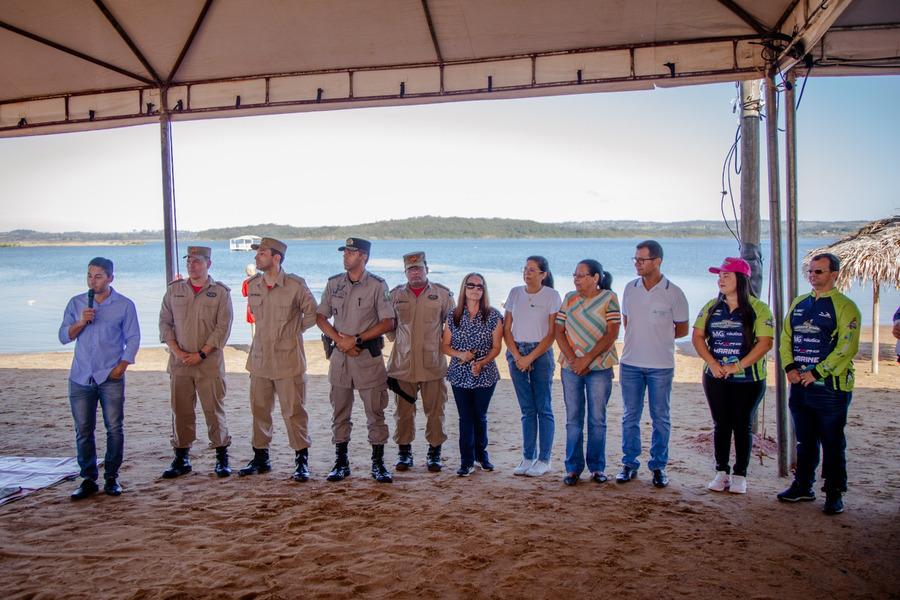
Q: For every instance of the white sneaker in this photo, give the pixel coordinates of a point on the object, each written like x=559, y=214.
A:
x=738, y=485
x=539, y=468
x=523, y=467
x=720, y=483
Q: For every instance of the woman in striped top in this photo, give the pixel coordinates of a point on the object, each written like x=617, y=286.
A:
x=587, y=326
x=732, y=334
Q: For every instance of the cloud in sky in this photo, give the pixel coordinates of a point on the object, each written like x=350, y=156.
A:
x=653, y=156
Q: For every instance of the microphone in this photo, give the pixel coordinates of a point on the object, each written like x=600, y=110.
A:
x=90, y=300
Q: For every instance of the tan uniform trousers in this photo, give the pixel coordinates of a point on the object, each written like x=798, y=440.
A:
x=291, y=393
x=374, y=400
x=185, y=390
x=434, y=399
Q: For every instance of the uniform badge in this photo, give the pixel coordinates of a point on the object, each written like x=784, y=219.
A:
x=433, y=297
x=211, y=294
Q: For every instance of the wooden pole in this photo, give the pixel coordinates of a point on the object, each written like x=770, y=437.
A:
x=782, y=418
x=876, y=291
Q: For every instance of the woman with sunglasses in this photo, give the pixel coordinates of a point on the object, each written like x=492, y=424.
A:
x=732, y=334
x=472, y=341
x=529, y=327
x=586, y=330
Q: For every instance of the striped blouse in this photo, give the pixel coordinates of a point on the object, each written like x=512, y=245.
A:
x=586, y=321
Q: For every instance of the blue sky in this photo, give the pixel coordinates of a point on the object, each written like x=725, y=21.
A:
x=651, y=156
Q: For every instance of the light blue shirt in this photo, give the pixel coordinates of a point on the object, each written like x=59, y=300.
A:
x=113, y=336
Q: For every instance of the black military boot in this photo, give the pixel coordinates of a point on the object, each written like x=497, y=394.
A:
x=301, y=461
x=258, y=464
x=379, y=471
x=180, y=466
x=433, y=460
x=222, y=468
x=404, y=457
x=341, y=469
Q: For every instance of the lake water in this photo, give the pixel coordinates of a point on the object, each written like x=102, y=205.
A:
x=36, y=282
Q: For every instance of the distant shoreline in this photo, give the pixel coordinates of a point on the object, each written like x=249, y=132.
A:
x=429, y=227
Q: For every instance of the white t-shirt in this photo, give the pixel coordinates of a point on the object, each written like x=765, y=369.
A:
x=650, y=333
x=531, y=312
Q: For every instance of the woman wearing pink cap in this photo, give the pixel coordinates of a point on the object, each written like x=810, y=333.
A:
x=733, y=333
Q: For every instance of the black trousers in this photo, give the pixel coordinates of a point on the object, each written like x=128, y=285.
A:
x=732, y=405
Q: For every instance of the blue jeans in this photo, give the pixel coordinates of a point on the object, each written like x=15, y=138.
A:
x=472, y=405
x=592, y=389
x=83, y=399
x=820, y=415
x=533, y=393
x=658, y=384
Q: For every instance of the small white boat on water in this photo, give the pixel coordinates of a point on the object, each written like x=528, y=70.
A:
x=243, y=243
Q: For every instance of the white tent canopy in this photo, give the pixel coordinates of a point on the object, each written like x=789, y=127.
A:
x=69, y=65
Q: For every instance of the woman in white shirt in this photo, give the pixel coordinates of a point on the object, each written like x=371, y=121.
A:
x=529, y=328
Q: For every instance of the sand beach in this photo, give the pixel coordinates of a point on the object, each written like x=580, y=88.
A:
x=427, y=535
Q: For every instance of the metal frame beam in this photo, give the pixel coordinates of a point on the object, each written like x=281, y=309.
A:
x=190, y=40
x=431, y=29
x=75, y=53
x=746, y=17
x=124, y=35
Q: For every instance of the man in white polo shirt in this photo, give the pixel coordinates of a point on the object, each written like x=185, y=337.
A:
x=655, y=313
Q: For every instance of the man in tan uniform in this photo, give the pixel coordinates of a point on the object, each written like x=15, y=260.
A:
x=416, y=362
x=284, y=308
x=359, y=303
x=195, y=322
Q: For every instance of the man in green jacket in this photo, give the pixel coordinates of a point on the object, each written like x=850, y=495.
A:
x=818, y=343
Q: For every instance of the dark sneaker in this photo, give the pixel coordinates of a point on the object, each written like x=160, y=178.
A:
x=834, y=504
x=797, y=493
x=626, y=474
x=660, y=479
x=465, y=471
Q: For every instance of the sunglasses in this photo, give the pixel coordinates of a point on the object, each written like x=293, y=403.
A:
x=474, y=286
x=817, y=271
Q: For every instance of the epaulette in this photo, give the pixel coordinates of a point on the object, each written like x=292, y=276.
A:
x=252, y=277
x=176, y=280
x=376, y=277
x=443, y=287
x=295, y=277
x=222, y=285
x=398, y=287
x=336, y=276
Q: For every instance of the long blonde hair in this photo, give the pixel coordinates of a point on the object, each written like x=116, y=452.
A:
x=484, y=304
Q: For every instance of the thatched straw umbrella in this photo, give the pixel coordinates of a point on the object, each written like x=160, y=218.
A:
x=873, y=253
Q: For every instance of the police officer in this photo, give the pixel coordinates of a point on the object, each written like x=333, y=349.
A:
x=195, y=322
x=818, y=343
x=360, y=305
x=416, y=365
x=284, y=308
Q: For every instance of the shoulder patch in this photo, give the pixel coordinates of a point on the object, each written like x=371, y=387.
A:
x=335, y=276
x=295, y=277
x=397, y=288
x=174, y=281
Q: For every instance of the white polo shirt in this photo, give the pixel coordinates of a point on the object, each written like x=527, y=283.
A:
x=650, y=334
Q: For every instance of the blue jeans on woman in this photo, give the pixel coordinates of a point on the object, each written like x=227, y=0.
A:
x=533, y=392
x=592, y=390
x=84, y=399
x=472, y=405
x=658, y=385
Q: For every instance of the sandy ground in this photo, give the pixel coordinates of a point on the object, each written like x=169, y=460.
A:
x=428, y=535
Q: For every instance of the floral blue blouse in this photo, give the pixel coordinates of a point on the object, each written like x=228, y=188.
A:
x=477, y=336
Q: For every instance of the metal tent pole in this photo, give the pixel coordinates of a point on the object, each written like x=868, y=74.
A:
x=790, y=136
x=781, y=417
x=750, y=250
x=168, y=187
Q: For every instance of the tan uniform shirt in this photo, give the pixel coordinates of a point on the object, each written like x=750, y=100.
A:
x=416, y=355
x=282, y=314
x=196, y=320
x=354, y=308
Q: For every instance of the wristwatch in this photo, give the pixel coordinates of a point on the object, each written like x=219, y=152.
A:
x=359, y=342
x=202, y=355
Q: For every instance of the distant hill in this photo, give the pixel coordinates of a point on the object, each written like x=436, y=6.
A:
x=436, y=227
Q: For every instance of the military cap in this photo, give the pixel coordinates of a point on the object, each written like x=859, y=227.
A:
x=356, y=244
x=414, y=259
x=204, y=251
x=271, y=244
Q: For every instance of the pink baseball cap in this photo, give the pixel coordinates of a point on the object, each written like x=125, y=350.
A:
x=733, y=264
